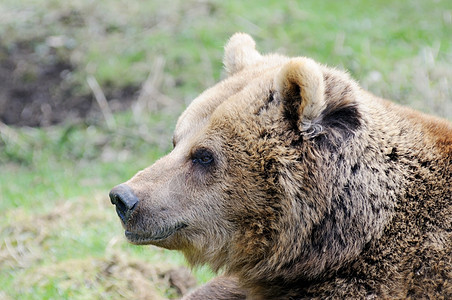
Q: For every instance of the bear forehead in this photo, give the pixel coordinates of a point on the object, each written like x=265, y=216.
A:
x=239, y=106
x=230, y=101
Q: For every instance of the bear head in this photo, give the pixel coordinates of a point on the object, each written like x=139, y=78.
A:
x=264, y=175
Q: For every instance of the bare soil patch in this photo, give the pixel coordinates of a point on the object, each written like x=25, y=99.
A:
x=36, y=88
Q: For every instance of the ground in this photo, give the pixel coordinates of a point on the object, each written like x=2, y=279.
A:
x=28, y=239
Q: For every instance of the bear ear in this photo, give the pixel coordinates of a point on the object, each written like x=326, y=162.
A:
x=240, y=52
x=301, y=88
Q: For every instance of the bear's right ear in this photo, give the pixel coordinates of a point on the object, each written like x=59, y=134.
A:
x=240, y=52
x=301, y=88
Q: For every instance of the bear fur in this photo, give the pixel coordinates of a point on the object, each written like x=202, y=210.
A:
x=298, y=184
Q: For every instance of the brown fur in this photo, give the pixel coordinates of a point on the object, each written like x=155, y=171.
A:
x=316, y=188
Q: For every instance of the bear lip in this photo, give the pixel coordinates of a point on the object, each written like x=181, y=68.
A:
x=147, y=238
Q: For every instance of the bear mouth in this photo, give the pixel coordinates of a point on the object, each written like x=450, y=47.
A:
x=148, y=238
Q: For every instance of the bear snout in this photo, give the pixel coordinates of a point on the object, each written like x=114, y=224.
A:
x=125, y=201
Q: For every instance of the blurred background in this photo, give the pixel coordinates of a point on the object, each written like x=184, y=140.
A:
x=90, y=92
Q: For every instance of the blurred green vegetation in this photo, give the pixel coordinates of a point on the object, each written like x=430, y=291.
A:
x=58, y=177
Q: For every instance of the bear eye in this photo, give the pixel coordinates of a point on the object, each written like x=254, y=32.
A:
x=203, y=157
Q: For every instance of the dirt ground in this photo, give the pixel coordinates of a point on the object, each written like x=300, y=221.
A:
x=36, y=90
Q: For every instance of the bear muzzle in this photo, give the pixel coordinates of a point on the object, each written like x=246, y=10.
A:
x=126, y=203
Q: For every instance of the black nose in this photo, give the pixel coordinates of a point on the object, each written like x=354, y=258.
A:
x=125, y=201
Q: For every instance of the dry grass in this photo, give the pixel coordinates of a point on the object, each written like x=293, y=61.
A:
x=114, y=276
x=28, y=250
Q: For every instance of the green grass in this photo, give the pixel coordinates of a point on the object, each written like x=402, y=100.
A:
x=58, y=233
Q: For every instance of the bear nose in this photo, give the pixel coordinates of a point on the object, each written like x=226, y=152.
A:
x=125, y=201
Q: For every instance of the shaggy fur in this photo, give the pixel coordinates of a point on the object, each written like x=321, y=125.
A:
x=298, y=185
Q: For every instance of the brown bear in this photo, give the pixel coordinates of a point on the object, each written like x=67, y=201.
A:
x=298, y=184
